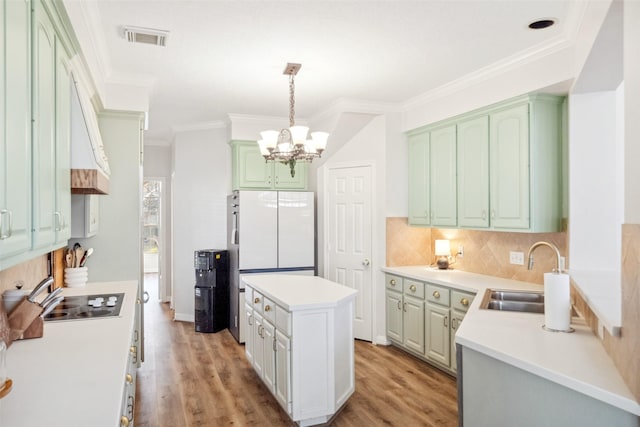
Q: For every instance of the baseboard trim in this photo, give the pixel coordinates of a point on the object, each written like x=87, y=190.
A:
x=180, y=317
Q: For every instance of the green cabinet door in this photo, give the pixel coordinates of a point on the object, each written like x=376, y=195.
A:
x=437, y=333
x=250, y=169
x=456, y=320
x=63, y=146
x=509, y=151
x=394, y=316
x=473, y=173
x=44, y=153
x=442, y=176
x=15, y=129
x=413, y=323
x=419, y=206
x=284, y=180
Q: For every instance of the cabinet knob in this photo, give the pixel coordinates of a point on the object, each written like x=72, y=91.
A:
x=256, y=301
x=412, y=288
x=392, y=282
x=129, y=379
x=124, y=421
x=436, y=294
x=464, y=302
x=267, y=308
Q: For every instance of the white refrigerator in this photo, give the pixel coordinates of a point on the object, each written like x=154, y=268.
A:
x=269, y=232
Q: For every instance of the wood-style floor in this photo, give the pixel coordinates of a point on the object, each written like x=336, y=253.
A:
x=193, y=379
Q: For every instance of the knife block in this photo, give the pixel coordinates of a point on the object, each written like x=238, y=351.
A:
x=25, y=321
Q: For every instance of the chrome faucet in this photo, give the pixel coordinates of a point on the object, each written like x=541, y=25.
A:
x=542, y=243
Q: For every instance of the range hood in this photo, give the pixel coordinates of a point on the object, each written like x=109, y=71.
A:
x=89, y=165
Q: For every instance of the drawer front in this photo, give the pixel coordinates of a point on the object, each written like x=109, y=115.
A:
x=438, y=294
x=283, y=320
x=257, y=301
x=413, y=288
x=461, y=300
x=394, y=282
x=248, y=296
x=269, y=309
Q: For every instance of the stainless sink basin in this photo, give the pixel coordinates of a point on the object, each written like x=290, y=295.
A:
x=522, y=306
x=521, y=301
x=523, y=296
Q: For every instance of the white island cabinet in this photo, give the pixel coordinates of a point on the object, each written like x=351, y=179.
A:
x=300, y=342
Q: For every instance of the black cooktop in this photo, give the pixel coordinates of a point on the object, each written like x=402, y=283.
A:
x=83, y=307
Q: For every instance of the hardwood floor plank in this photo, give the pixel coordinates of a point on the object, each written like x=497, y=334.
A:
x=193, y=379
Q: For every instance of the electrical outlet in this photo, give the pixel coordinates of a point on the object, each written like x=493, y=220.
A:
x=516, y=258
x=460, y=251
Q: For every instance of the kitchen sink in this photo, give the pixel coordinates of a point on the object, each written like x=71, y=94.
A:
x=521, y=301
x=532, y=296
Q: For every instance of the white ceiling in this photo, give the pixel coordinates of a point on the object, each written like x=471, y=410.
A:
x=228, y=56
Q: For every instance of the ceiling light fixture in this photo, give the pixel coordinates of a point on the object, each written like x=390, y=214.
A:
x=290, y=145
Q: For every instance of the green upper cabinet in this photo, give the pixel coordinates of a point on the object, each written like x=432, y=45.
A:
x=45, y=220
x=509, y=148
x=473, y=173
x=497, y=168
x=252, y=172
x=442, y=177
x=419, y=208
x=63, y=145
x=15, y=128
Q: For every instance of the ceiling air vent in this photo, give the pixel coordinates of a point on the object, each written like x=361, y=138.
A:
x=146, y=35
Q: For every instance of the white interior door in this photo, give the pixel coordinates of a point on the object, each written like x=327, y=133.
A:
x=349, y=201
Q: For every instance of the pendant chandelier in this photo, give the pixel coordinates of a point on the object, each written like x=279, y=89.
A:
x=290, y=145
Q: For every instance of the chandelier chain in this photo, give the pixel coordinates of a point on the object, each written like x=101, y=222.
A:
x=292, y=101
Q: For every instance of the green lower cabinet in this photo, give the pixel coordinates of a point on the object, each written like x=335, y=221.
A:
x=394, y=316
x=252, y=172
x=413, y=323
x=437, y=334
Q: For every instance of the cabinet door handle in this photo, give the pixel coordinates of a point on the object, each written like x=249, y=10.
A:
x=412, y=288
x=277, y=179
x=249, y=320
x=6, y=235
x=484, y=214
x=431, y=214
x=392, y=282
x=436, y=294
x=454, y=324
x=464, y=302
x=404, y=307
x=399, y=305
x=446, y=321
x=493, y=214
x=274, y=344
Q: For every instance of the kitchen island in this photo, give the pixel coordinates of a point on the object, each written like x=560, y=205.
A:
x=511, y=366
x=300, y=342
x=75, y=375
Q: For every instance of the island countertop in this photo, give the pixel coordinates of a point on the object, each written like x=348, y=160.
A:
x=73, y=375
x=299, y=292
x=577, y=361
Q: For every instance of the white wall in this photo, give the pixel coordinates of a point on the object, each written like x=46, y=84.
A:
x=595, y=211
x=201, y=181
x=117, y=246
x=366, y=147
x=632, y=111
x=157, y=164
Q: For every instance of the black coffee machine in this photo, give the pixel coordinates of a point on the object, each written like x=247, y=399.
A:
x=211, y=290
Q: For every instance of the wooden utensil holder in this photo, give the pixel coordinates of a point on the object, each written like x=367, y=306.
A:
x=24, y=322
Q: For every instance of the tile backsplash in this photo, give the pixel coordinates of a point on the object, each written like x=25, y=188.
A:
x=485, y=252
x=30, y=272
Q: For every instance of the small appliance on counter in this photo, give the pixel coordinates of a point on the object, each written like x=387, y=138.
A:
x=211, y=290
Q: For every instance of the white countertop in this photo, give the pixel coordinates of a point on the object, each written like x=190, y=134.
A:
x=299, y=292
x=73, y=375
x=577, y=360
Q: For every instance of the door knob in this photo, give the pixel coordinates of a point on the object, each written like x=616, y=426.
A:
x=366, y=262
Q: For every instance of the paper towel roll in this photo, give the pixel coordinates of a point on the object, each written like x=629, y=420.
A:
x=557, y=302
